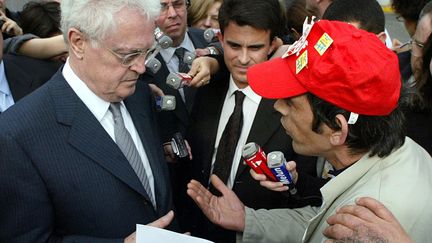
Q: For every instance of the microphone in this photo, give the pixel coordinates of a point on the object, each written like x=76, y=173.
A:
x=276, y=162
x=178, y=145
x=255, y=157
x=188, y=58
x=151, y=62
x=178, y=80
x=210, y=34
x=162, y=39
x=165, y=103
x=153, y=65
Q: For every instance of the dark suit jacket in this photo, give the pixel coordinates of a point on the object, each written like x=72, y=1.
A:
x=25, y=74
x=173, y=121
x=64, y=179
x=266, y=131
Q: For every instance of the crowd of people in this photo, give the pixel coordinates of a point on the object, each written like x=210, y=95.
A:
x=122, y=112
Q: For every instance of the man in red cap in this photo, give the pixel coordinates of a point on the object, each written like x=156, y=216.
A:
x=338, y=90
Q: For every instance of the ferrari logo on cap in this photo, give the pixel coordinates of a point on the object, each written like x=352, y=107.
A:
x=323, y=44
x=301, y=62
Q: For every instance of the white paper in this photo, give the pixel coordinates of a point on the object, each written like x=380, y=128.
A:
x=149, y=234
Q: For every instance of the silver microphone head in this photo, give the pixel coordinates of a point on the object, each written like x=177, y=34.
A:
x=166, y=103
x=188, y=58
x=209, y=35
x=165, y=41
x=174, y=81
x=153, y=64
x=162, y=39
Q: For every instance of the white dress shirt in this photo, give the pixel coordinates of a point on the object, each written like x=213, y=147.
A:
x=99, y=108
x=6, y=99
x=250, y=107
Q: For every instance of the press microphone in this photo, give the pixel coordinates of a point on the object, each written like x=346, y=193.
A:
x=255, y=157
x=188, y=58
x=162, y=39
x=165, y=103
x=151, y=62
x=276, y=162
x=210, y=34
x=178, y=145
x=178, y=80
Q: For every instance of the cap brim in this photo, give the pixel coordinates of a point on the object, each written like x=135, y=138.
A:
x=274, y=79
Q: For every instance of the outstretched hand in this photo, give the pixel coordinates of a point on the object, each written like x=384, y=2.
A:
x=369, y=220
x=226, y=211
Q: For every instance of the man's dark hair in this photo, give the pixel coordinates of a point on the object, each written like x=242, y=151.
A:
x=260, y=14
x=379, y=135
x=41, y=18
x=409, y=9
x=367, y=13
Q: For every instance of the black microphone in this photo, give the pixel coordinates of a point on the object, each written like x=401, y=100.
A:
x=210, y=35
x=162, y=39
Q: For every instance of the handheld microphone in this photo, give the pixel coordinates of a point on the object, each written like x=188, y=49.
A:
x=188, y=58
x=178, y=145
x=165, y=103
x=162, y=39
x=255, y=157
x=276, y=162
x=210, y=34
x=178, y=80
x=151, y=62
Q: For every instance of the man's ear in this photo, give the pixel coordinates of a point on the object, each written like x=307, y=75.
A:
x=338, y=137
x=77, y=43
x=275, y=44
x=220, y=38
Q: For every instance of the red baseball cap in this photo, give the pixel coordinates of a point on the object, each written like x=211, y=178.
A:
x=335, y=61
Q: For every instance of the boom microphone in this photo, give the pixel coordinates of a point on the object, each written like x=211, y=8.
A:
x=255, y=157
x=276, y=162
x=162, y=39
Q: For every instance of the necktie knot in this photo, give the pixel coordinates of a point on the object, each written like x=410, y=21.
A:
x=239, y=97
x=180, y=52
x=115, y=110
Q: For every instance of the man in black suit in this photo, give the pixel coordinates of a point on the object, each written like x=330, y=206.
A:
x=248, y=35
x=20, y=75
x=80, y=159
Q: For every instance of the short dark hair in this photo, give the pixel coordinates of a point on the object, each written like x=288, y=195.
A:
x=296, y=13
x=260, y=14
x=41, y=18
x=378, y=135
x=368, y=13
x=409, y=9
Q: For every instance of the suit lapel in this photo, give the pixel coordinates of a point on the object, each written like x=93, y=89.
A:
x=88, y=136
x=265, y=124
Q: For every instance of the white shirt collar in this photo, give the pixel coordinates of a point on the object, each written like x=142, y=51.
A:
x=247, y=91
x=94, y=103
x=4, y=85
x=187, y=43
